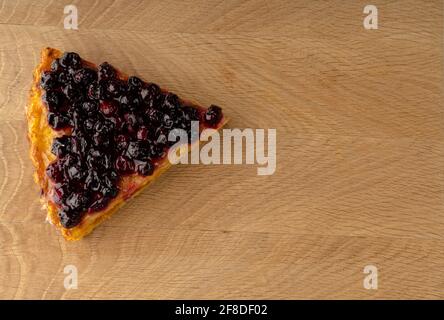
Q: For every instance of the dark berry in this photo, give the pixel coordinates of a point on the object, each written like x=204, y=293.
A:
x=55, y=65
x=99, y=201
x=137, y=150
x=177, y=115
x=190, y=113
x=48, y=80
x=130, y=121
x=70, y=60
x=72, y=92
x=98, y=161
x=85, y=76
x=116, y=120
x=122, y=142
x=134, y=102
x=134, y=83
x=161, y=136
x=69, y=219
x=113, y=176
x=106, y=71
x=167, y=121
x=73, y=168
x=77, y=201
x=170, y=102
x=157, y=150
x=88, y=125
x=61, y=146
x=53, y=100
x=77, y=117
x=213, y=115
x=109, y=189
x=110, y=192
x=57, y=121
x=124, y=100
x=103, y=126
x=90, y=107
x=113, y=88
x=94, y=91
x=151, y=95
x=144, y=168
x=101, y=140
x=130, y=101
x=154, y=117
x=60, y=193
x=108, y=107
x=80, y=144
x=124, y=165
x=102, y=91
x=142, y=133
x=74, y=173
x=92, y=181
x=64, y=78
x=55, y=171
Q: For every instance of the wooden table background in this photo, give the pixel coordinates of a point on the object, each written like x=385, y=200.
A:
x=360, y=170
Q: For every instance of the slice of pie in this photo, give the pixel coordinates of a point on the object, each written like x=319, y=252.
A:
x=98, y=137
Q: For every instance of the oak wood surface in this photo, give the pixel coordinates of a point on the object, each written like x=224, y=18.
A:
x=360, y=152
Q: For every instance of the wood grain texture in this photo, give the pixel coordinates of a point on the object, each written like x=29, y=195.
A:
x=360, y=152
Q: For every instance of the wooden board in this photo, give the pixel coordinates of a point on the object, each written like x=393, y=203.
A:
x=360, y=152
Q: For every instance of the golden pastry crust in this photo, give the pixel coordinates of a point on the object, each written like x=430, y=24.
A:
x=40, y=136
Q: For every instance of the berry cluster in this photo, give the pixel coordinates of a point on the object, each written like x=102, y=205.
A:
x=118, y=127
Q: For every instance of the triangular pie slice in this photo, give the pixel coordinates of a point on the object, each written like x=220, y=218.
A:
x=98, y=137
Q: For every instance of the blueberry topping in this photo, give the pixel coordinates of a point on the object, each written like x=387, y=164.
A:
x=118, y=127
